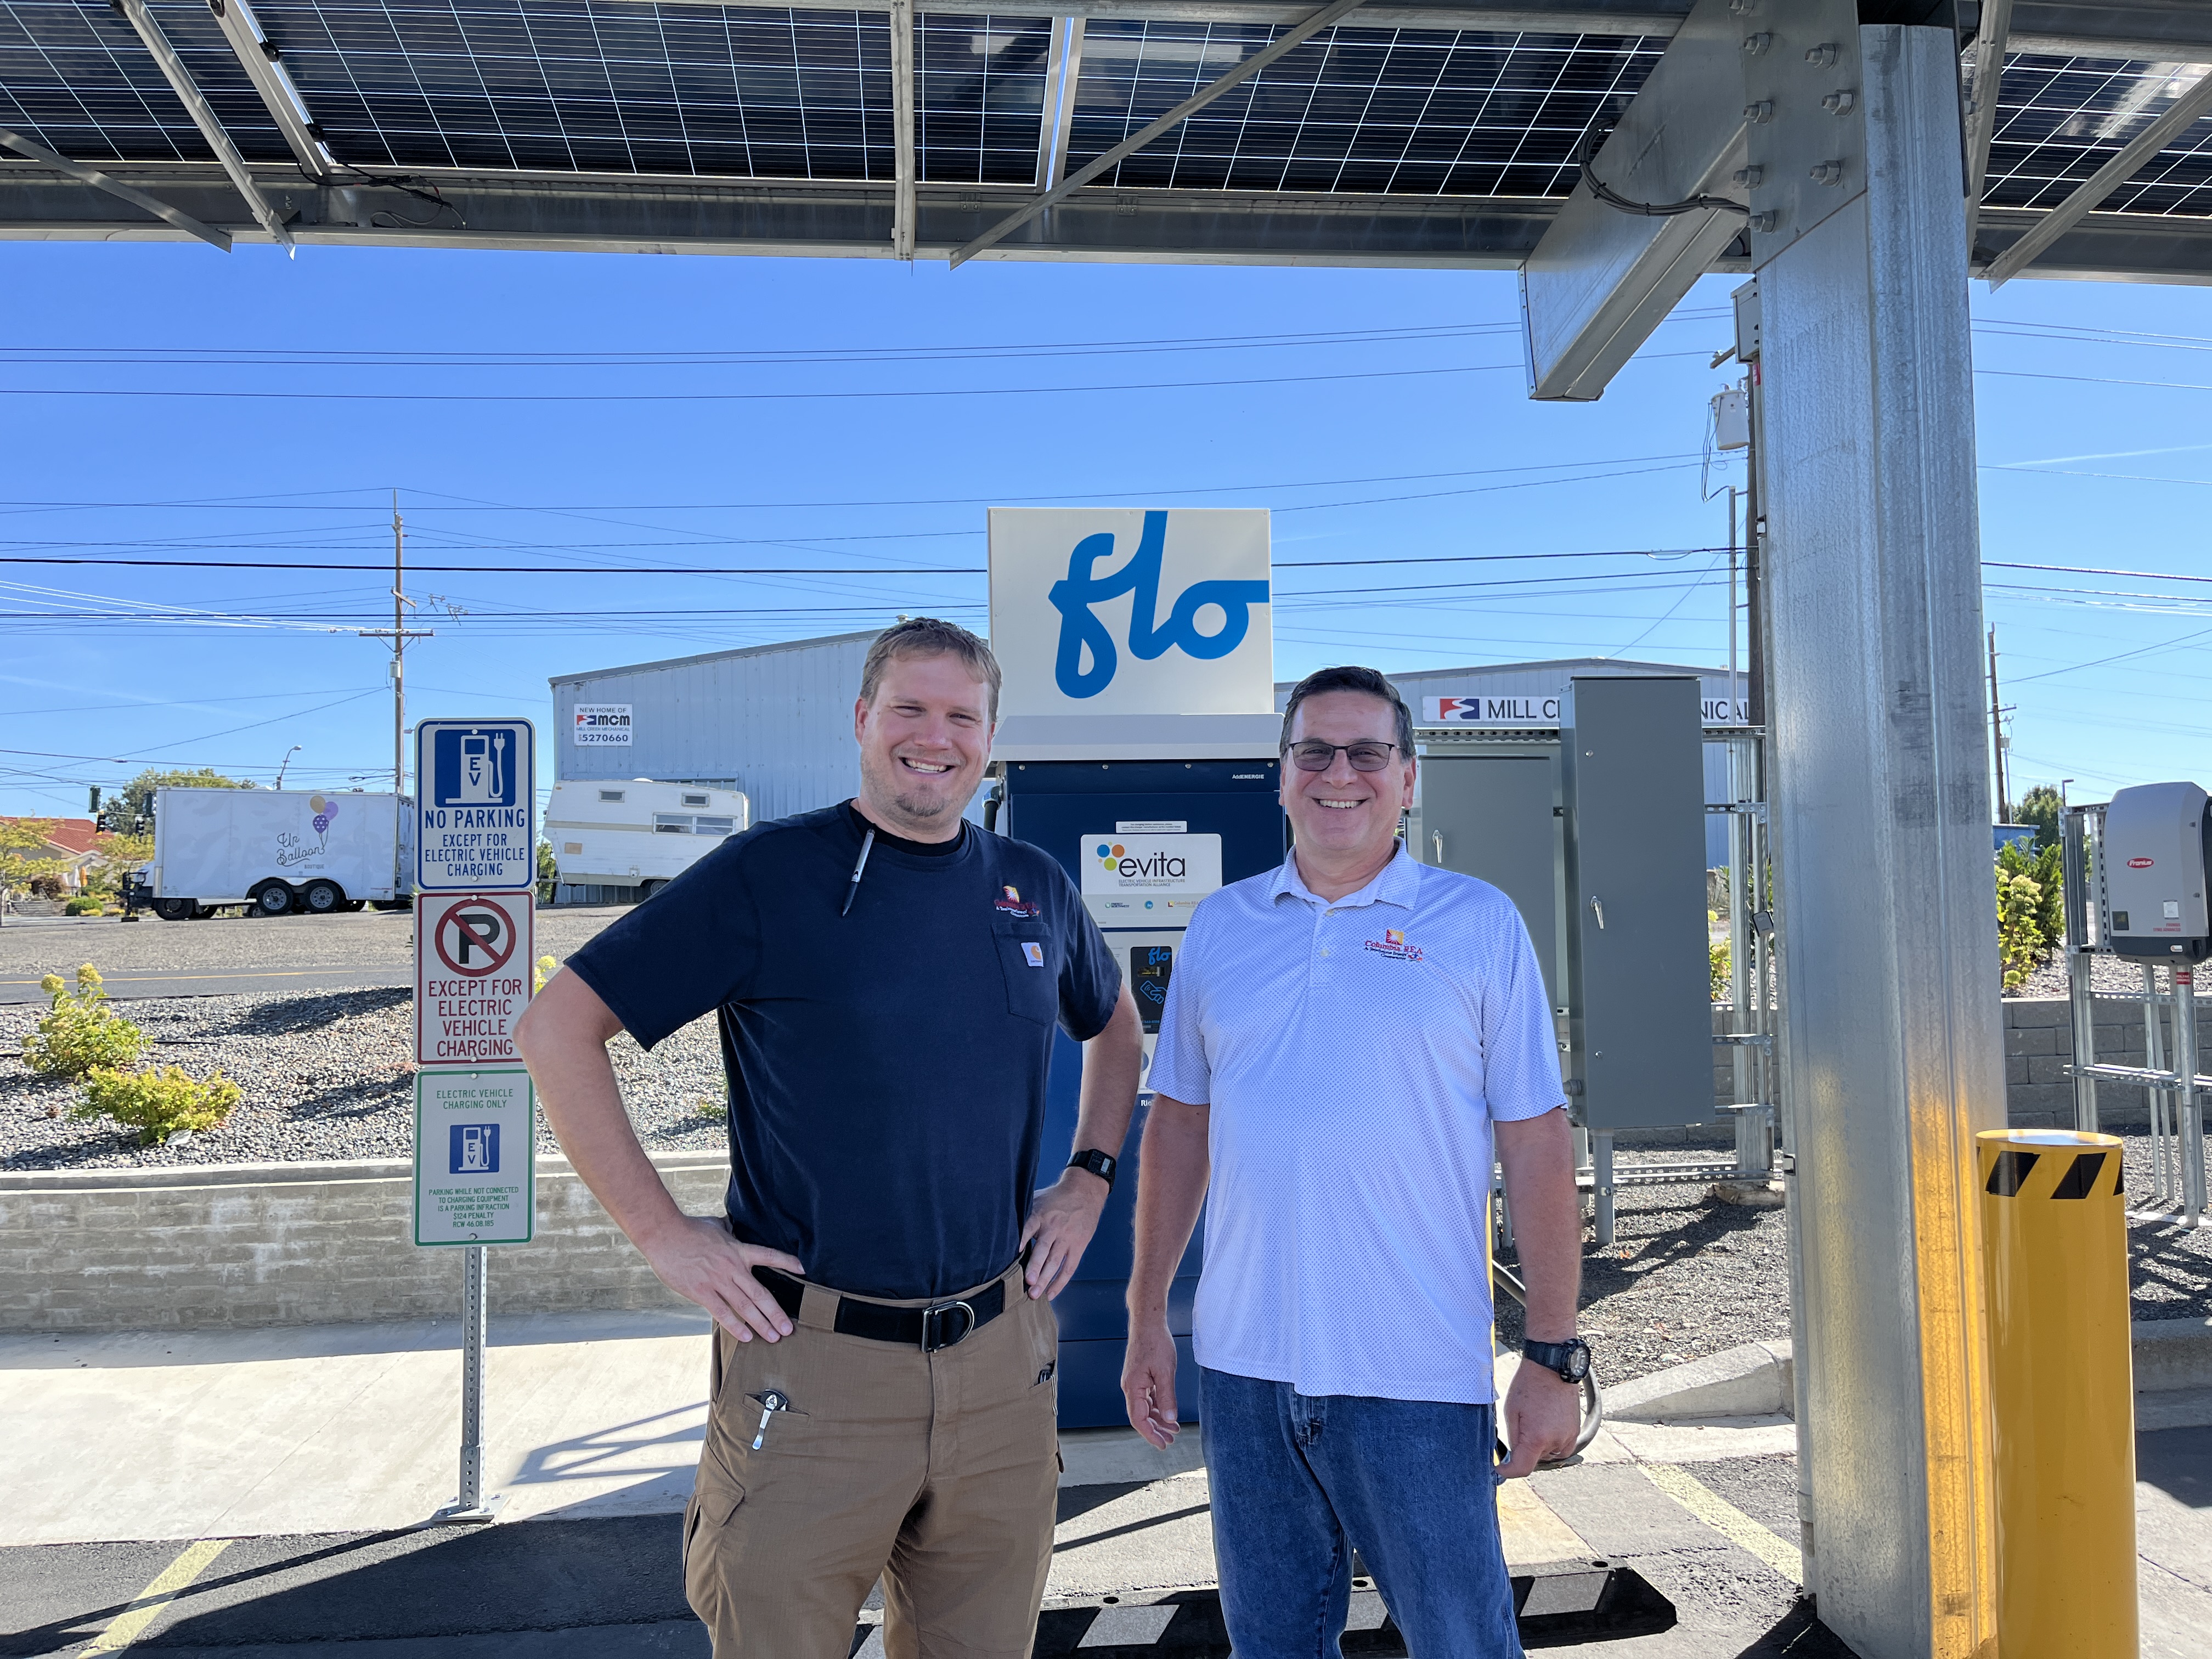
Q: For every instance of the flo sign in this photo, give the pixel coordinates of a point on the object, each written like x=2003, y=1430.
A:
x=1132, y=612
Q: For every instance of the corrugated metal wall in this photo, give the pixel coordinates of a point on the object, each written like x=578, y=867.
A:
x=774, y=721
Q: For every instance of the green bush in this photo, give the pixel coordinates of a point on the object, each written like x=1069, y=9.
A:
x=81, y=1032
x=1717, y=954
x=2021, y=943
x=158, y=1101
x=85, y=904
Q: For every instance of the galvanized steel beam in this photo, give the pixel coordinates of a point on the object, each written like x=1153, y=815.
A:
x=264, y=65
x=1603, y=278
x=902, y=156
x=99, y=181
x=1892, y=1055
x=1982, y=115
x=203, y=117
x=1281, y=45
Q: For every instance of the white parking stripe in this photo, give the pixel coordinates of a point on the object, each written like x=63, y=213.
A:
x=1367, y=1611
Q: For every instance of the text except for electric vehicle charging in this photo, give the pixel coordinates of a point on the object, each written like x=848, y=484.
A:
x=465, y=1019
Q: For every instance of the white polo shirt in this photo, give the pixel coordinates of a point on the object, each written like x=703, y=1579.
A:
x=1354, y=1054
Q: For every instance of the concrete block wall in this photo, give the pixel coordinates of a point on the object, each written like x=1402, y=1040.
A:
x=2039, y=1038
x=300, y=1243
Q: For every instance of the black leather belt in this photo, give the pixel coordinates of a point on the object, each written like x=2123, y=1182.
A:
x=928, y=1328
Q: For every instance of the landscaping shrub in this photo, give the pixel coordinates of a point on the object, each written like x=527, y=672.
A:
x=81, y=1032
x=85, y=904
x=1719, y=953
x=2021, y=944
x=158, y=1101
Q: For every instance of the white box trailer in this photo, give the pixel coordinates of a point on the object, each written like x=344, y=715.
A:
x=278, y=850
x=640, y=834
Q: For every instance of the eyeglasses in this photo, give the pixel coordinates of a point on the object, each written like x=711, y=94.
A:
x=1365, y=756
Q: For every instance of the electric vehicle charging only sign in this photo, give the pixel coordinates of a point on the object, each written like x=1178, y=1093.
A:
x=475, y=1163
x=475, y=791
x=472, y=959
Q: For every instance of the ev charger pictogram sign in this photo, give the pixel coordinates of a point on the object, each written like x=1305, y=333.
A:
x=472, y=968
x=476, y=1179
x=476, y=785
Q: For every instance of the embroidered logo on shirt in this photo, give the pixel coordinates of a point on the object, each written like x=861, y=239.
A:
x=1033, y=954
x=1011, y=903
x=1392, y=943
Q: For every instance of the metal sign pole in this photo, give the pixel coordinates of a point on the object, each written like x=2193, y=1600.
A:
x=470, y=1505
x=2191, y=1125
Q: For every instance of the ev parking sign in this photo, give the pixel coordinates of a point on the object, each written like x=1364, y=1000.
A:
x=475, y=786
x=476, y=1178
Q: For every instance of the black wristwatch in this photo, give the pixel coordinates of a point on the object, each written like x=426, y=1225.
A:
x=1098, y=1164
x=1569, y=1358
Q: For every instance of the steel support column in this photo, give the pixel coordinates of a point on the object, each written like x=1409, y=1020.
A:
x=204, y=117
x=1891, y=1057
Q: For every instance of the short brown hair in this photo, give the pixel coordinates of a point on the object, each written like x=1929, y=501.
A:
x=1365, y=680
x=926, y=636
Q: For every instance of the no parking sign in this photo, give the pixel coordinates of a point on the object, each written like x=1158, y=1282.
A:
x=472, y=959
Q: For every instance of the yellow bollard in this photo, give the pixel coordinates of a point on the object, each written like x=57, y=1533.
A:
x=2062, y=1386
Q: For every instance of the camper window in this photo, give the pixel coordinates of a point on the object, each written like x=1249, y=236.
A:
x=671, y=824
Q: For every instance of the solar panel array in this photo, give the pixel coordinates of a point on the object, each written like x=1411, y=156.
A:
x=673, y=88
x=1419, y=112
x=2059, y=119
x=76, y=78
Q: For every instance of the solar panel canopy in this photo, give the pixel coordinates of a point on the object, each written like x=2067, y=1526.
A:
x=1403, y=134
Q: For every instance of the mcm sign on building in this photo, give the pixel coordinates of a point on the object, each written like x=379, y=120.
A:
x=1109, y=621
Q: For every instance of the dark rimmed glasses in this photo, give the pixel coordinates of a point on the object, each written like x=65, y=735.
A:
x=1368, y=754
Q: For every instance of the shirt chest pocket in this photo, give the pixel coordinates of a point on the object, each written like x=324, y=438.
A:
x=1032, y=986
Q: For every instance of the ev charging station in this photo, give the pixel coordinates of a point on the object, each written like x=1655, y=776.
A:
x=1137, y=745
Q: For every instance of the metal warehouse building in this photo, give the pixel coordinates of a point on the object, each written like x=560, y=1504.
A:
x=776, y=720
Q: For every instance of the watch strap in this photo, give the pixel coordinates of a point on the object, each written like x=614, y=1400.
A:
x=1559, y=1357
x=1101, y=1164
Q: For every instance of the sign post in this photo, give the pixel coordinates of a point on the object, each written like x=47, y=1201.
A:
x=476, y=871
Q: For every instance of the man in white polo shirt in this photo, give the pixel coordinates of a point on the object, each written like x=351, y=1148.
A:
x=1346, y=1041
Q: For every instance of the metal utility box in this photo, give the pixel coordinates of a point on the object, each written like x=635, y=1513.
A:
x=1638, y=976
x=1492, y=814
x=1143, y=842
x=2156, y=847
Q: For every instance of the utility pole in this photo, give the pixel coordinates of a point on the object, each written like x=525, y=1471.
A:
x=1997, y=731
x=399, y=633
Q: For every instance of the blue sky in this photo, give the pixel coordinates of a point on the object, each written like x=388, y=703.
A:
x=1378, y=413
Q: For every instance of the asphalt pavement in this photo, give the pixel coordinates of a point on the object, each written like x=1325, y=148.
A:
x=242, y=955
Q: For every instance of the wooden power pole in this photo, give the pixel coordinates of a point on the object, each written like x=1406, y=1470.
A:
x=399, y=633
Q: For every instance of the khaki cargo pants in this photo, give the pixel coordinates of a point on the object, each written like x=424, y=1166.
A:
x=937, y=1470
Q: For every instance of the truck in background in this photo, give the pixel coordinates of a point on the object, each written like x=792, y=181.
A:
x=620, y=842
x=276, y=851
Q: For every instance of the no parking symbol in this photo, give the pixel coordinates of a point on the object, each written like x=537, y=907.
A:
x=472, y=963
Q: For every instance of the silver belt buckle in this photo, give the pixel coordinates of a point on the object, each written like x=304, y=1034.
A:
x=933, y=1325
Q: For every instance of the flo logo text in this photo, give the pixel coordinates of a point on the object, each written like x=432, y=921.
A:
x=1083, y=635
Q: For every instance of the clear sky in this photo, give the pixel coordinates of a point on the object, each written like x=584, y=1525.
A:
x=591, y=411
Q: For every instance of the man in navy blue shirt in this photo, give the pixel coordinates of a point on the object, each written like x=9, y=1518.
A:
x=887, y=980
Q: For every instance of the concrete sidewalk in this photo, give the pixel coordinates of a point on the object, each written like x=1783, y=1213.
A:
x=146, y=1442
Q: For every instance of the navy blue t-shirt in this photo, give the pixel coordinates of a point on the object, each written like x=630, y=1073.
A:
x=887, y=1068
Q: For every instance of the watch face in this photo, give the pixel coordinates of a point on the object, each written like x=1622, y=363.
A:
x=1577, y=1366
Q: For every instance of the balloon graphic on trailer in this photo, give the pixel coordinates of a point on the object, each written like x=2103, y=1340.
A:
x=325, y=810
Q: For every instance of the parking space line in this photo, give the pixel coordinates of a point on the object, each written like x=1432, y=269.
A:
x=1725, y=1518
x=128, y=1625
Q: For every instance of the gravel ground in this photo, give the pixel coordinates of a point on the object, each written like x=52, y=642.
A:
x=329, y=1076
x=2107, y=973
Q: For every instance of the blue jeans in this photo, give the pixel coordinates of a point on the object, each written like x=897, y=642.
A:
x=1299, y=1480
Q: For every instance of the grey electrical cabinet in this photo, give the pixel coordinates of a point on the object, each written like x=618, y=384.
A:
x=1490, y=816
x=2157, y=843
x=1639, y=988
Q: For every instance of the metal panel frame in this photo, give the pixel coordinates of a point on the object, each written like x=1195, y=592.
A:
x=216, y=239
x=264, y=65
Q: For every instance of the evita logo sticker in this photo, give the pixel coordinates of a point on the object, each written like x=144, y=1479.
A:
x=1159, y=866
x=1082, y=633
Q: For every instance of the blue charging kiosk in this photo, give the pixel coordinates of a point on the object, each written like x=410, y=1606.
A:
x=1144, y=840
